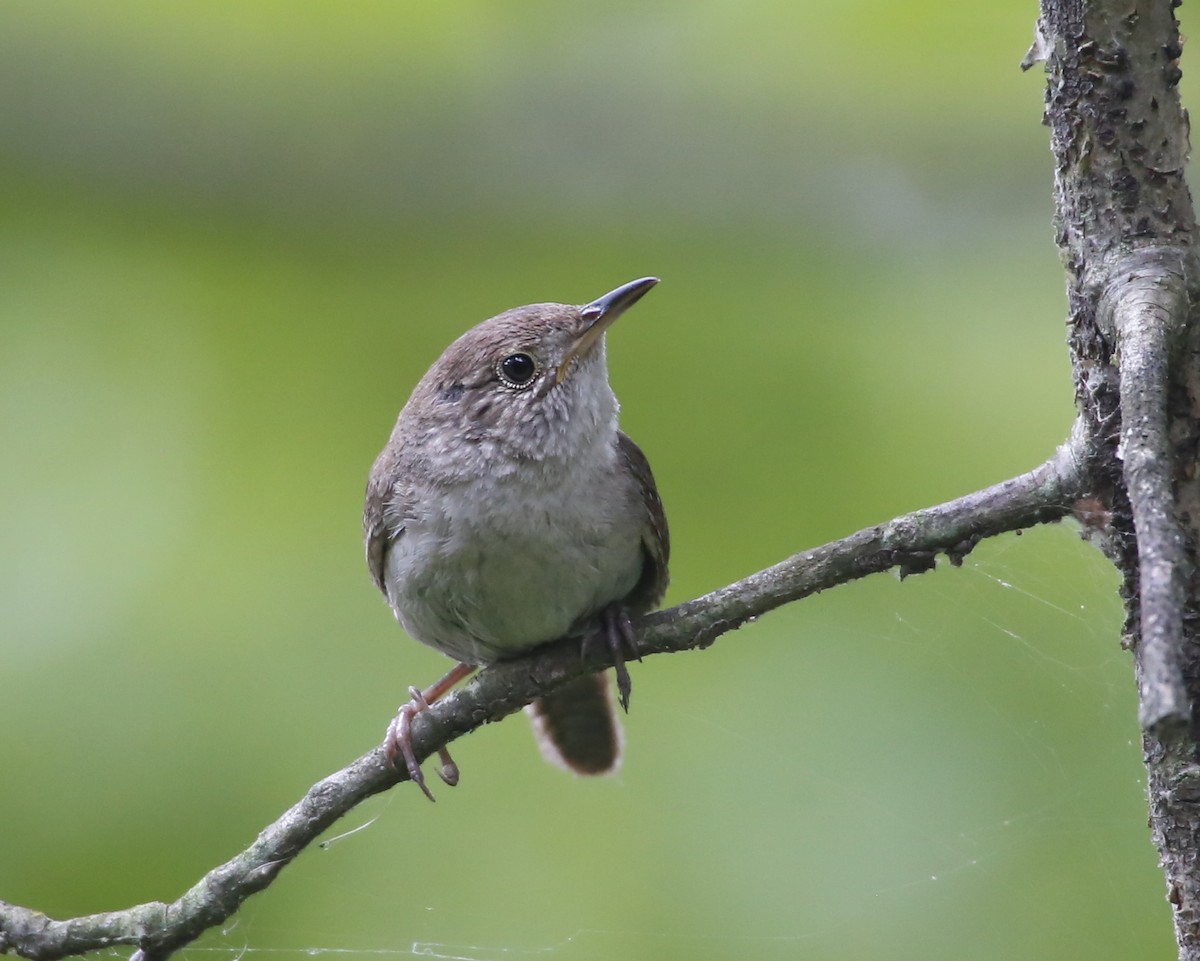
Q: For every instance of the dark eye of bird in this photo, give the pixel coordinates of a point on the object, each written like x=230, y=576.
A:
x=517, y=370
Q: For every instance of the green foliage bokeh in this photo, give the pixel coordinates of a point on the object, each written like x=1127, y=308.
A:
x=234, y=236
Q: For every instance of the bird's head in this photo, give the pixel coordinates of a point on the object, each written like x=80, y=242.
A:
x=532, y=380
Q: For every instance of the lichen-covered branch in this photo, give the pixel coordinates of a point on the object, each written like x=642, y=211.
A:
x=910, y=544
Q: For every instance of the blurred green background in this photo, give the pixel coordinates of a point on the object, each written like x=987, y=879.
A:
x=233, y=237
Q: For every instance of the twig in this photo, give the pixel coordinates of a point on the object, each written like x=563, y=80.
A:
x=909, y=543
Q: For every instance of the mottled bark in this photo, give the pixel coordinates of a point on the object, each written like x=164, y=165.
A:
x=1126, y=227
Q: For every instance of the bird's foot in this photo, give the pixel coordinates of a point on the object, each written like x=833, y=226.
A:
x=616, y=633
x=398, y=740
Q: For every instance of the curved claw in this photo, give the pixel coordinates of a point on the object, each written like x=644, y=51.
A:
x=448, y=772
x=398, y=741
x=616, y=631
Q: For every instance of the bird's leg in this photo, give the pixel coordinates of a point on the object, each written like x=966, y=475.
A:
x=616, y=631
x=399, y=732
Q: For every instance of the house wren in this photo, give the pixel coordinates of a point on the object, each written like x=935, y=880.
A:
x=508, y=510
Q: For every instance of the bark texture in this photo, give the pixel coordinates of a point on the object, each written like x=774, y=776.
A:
x=1126, y=228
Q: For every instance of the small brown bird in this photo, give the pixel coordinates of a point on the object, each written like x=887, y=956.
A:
x=508, y=510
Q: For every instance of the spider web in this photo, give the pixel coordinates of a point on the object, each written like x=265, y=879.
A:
x=990, y=815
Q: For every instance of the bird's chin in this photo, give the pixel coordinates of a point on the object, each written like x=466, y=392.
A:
x=582, y=367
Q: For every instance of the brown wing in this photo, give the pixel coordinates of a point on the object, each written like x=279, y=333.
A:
x=376, y=535
x=656, y=539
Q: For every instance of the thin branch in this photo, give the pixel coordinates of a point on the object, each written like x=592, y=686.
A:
x=1148, y=304
x=909, y=543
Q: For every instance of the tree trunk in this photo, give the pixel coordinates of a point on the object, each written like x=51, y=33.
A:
x=1126, y=227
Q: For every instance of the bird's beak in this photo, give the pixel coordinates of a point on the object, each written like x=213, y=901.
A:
x=599, y=316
